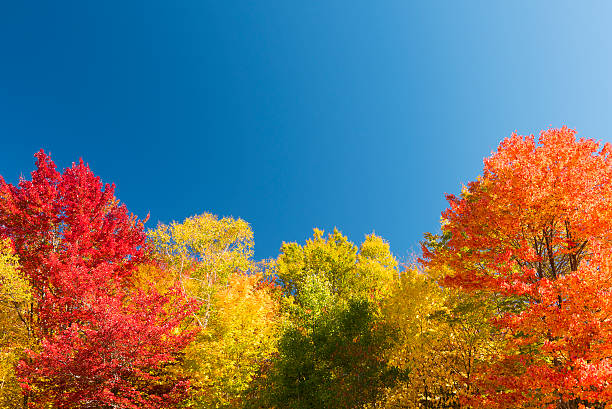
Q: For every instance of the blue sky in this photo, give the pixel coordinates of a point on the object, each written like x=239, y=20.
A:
x=294, y=115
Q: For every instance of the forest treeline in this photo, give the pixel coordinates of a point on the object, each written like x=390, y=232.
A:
x=509, y=306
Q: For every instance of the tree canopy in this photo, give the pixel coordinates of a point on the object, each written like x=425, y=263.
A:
x=508, y=306
x=535, y=229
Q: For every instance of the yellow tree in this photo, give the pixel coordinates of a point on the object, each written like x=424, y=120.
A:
x=365, y=271
x=444, y=336
x=212, y=260
x=240, y=339
x=15, y=324
x=376, y=268
x=202, y=253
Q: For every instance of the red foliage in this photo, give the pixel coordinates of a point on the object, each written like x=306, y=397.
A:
x=103, y=342
x=536, y=229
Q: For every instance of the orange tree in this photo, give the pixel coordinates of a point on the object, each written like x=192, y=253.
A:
x=535, y=231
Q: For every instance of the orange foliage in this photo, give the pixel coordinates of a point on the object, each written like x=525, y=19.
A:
x=536, y=230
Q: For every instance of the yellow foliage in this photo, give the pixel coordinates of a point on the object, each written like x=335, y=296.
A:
x=153, y=277
x=15, y=324
x=240, y=338
x=376, y=267
x=443, y=335
x=366, y=271
x=211, y=259
x=203, y=252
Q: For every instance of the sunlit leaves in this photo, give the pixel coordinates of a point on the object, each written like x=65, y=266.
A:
x=239, y=339
x=509, y=308
x=202, y=253
x=443, y=337
x=211, y=258
x=535, y=230
x=99, y=341
x=332, y=352
x=15, y=332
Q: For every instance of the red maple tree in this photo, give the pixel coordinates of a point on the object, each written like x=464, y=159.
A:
x=103, y=343
x=535, y=230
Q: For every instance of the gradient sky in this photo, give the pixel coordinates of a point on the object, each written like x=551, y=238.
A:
x=296, y=114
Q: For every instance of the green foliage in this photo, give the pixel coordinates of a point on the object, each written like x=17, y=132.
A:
x=329, y=324
x=333, y=351
x=337, y=363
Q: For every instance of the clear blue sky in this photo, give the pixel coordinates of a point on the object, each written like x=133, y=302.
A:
x=296, y=114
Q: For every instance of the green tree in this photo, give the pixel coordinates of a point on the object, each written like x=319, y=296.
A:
x=332, y=352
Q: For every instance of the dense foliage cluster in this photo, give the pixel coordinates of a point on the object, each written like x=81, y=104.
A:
x=510, y=305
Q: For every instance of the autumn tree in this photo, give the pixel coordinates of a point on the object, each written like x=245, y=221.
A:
x=16, y=332
x=332, y=352
x=101, y=342
x=443, y=334
x=366, y=271
x=535, y=230
x=202, y=253
x=239, y=309
x=239, y=341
